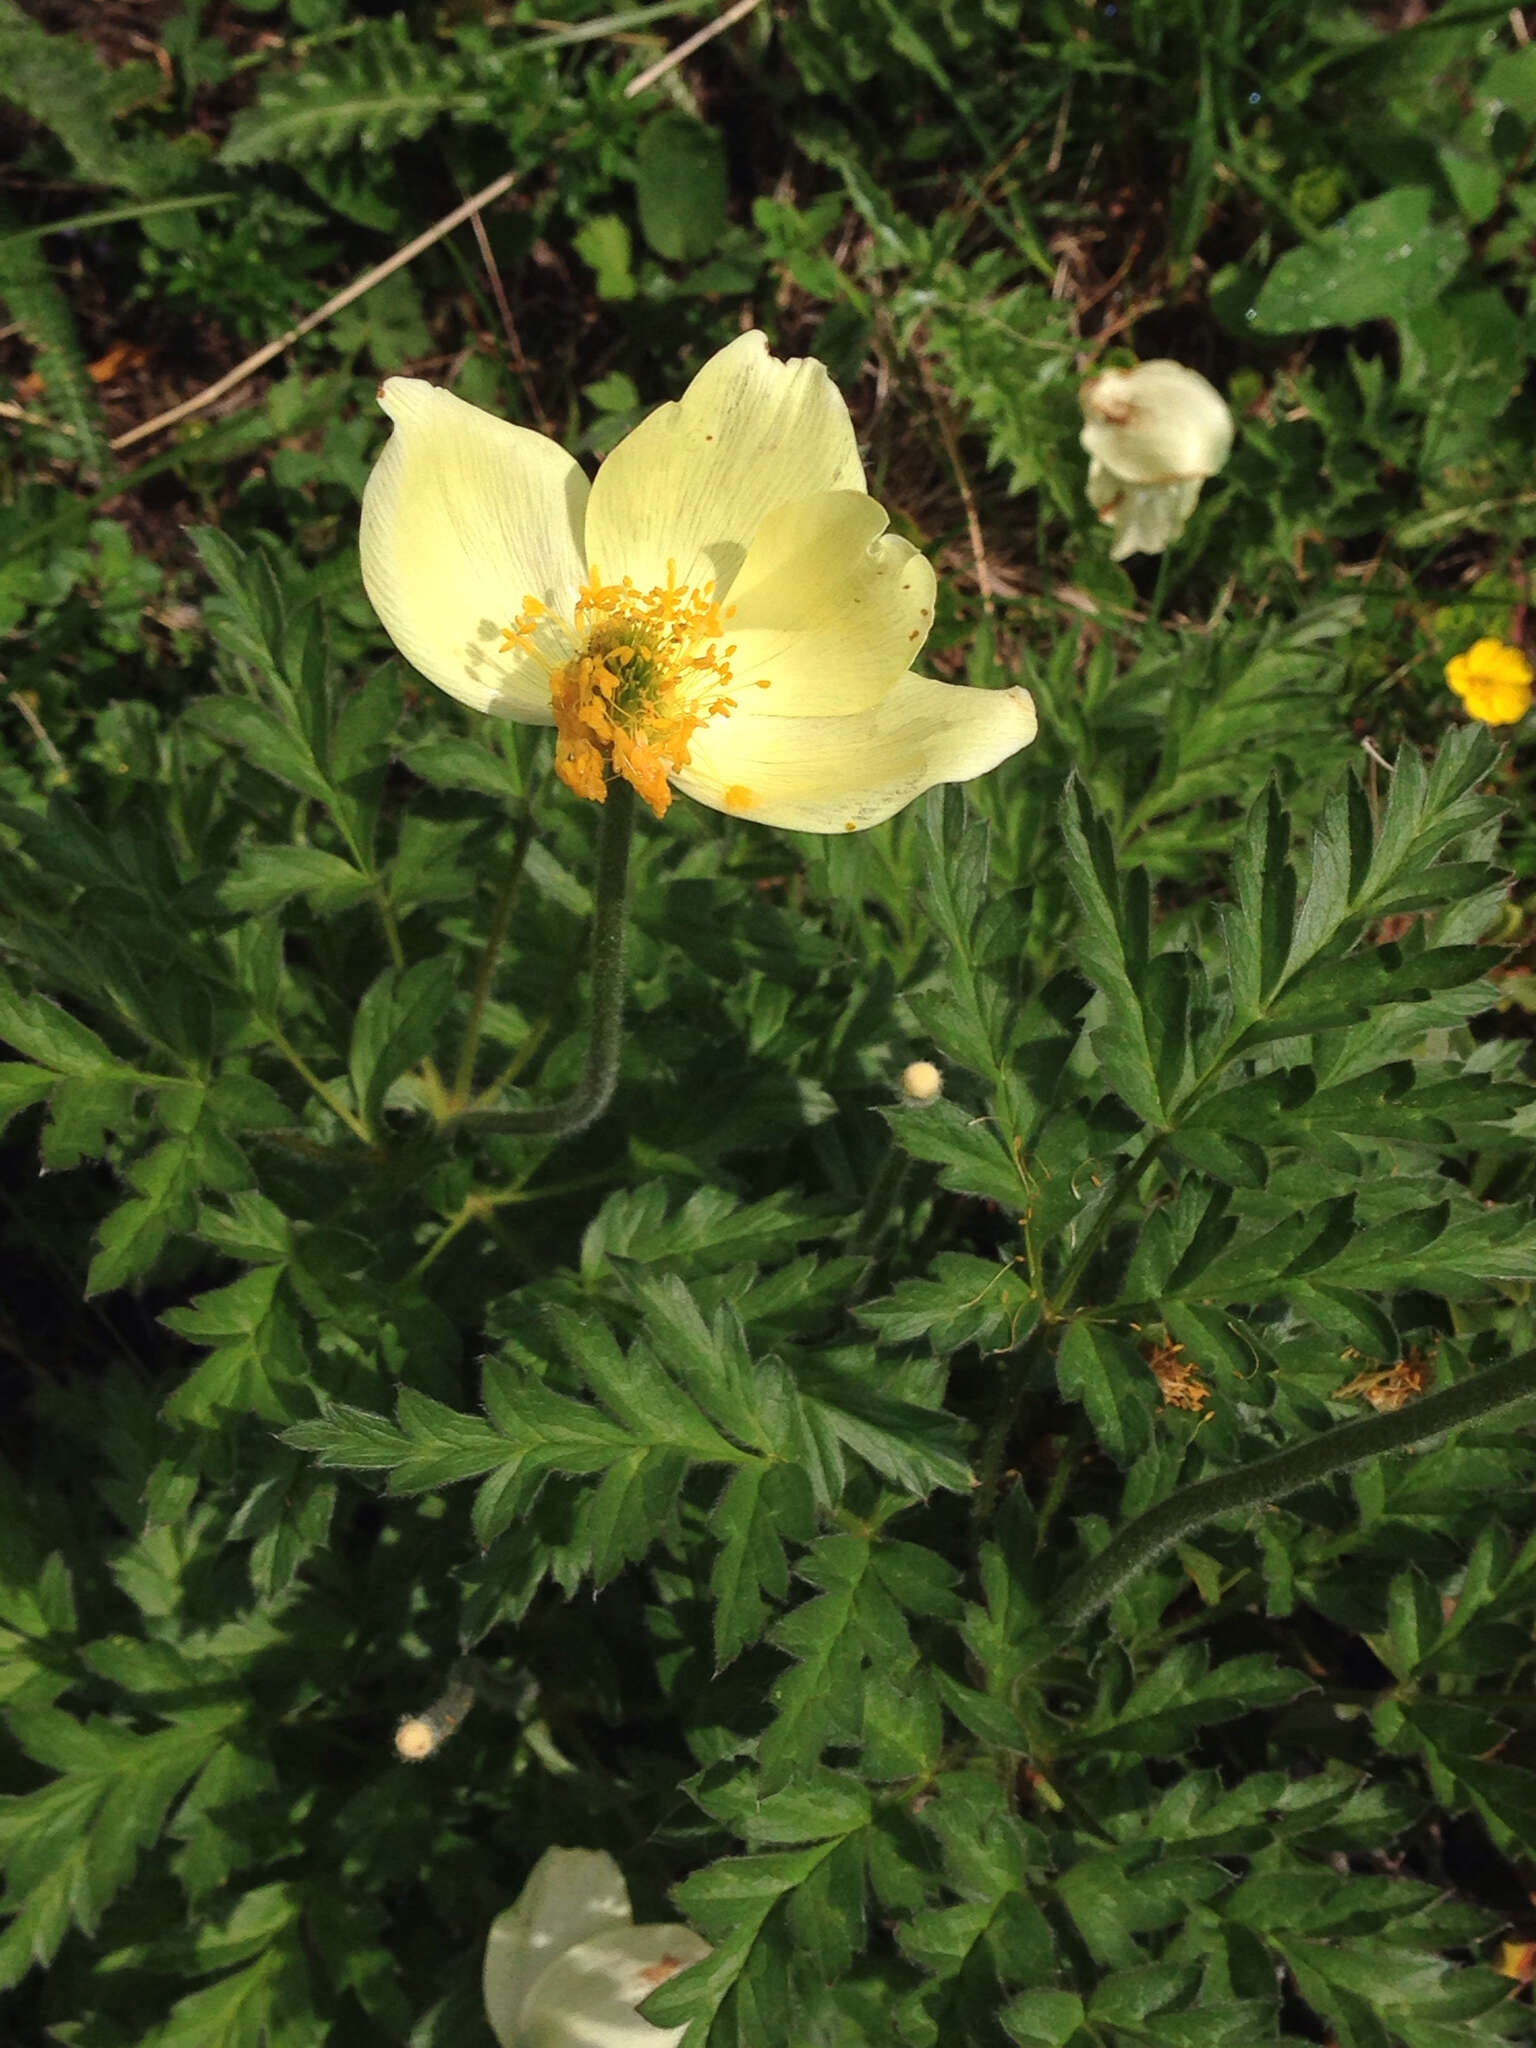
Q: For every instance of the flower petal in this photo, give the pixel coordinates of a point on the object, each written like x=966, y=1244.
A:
x=1156, y=423
x=1147, y=518
x=587, y=1998
x=843, y=774
x=571, y=1895
x=464, y=516
x=829, y=608
x=694, y=482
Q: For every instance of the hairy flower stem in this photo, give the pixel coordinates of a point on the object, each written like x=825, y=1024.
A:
x=1142, y=1542
x=588, y=1101
x=501, y=920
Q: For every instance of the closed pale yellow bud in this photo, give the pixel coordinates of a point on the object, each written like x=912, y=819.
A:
x=1153, y=435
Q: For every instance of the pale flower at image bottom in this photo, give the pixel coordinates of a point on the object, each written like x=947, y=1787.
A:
x=721, y=612
x=565, y=1966
x=1153, y=435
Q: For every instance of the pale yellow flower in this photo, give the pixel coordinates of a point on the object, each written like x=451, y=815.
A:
x=722, y=611
x=1492, y=680
x=565, y=1966
x=1153, y=435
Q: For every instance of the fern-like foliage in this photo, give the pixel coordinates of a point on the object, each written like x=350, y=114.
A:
x=65, y=87
x=35, y=302
x=380, y=90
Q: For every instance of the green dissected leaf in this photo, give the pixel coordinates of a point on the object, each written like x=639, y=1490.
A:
x=449, y=761
x=713, y=1229
x=851, y=1622
x=730, y=1902
x=68, y=1848
x=915, y=1447
x=829, y=1804
x=1401, y=1101
x=35, y=301
x=380, y=89
x=267, y=741
x=249, y=2008
x=962, y=1300
x=166, y=1182
x=762, y=1507
x=270, y=875
x=257, y=1362
x=66, y=87
x=20, y=1087
x=395, y=1027
x=1114, y=951
x=969, y=1148
x=1109, y=1376
x=49, y=1035
x=1184, y=1694
x=975, y=1010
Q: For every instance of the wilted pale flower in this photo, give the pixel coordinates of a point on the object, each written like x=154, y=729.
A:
x=722, y=610
x=1153, y=435
x=1492, y=680
x=565, y=1966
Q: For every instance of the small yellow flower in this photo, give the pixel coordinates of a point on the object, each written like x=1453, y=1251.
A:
x=565, y=1966
x=1153, y=435
x=1492, y=680
x=722, y=611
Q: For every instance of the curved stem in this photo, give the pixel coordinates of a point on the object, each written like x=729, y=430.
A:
x=495, y=939
x=312, y=1080
x=1142, y=1542
x=601, y=1072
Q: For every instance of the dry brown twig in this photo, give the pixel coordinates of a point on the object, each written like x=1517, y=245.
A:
x=685, y=49
x=519, y=362
x=983, y=567
x=355, y=290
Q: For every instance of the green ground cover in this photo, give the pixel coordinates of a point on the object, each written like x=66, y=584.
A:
x=805, y=1485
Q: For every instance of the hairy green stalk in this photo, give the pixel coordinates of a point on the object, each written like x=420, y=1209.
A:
x=600, y=1074
x=1151, y=1536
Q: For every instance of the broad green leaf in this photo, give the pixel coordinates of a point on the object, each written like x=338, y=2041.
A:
x=681, y=187
x=1385, y=258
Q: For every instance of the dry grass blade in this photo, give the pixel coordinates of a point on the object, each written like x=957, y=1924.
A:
x=211, y=393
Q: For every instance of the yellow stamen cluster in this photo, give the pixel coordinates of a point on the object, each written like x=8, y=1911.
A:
x=648, y=671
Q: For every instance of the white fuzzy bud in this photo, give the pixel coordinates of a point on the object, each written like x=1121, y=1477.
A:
x=922, y=1082
x=421, y=1735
